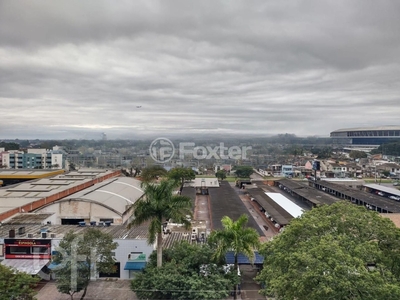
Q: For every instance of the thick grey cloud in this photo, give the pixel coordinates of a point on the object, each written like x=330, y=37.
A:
x=71, y=69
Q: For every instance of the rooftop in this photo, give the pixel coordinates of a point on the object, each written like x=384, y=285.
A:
x=225, y=201
x=377, y=201
x=58, y=231
x=279, y=214
x=386, y=189
x=29, y=195
x=302, y=189
x=27, y=173
x=116, y=193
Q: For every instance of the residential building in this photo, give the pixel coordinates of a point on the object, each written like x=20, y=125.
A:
x=32, y=159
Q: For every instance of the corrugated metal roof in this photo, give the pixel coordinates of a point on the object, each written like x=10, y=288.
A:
x=386, y=189
x=15, y=173
x=28, y=219
x=377, y=201
x=271, y=207
x=34, y=231
x=29, y=266
x=293, y=209
x=18, y=195
x=175, y=237
x=119, y=193
x=302, y=189
x=243, y=259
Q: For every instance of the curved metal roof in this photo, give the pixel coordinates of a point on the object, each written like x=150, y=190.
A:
x=388, y=127
x=117, y=193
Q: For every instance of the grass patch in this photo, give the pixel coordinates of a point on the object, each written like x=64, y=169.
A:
x=230, y=179
x=378, y=180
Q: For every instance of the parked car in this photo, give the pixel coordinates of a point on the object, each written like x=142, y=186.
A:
x=395, y=198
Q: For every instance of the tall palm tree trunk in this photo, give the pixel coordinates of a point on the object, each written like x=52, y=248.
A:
x=159, y=249
x=235, y=266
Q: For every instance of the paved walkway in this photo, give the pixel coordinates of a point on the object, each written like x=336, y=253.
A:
x=249, y=288
x=202, y=210
x=99, y=290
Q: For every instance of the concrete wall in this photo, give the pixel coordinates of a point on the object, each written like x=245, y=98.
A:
x=124, y=248
x=79, y=210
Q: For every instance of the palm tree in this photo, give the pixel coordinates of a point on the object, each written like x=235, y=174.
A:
x=158, y=204
x=236, y=237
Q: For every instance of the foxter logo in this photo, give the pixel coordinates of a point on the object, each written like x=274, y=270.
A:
x=162, y=150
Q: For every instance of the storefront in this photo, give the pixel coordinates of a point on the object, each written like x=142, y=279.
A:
x=28, y=255
x=24, y=248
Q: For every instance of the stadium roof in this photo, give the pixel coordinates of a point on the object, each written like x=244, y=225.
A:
x=388, y=127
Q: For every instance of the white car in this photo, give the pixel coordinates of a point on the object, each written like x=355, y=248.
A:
x=395, y=198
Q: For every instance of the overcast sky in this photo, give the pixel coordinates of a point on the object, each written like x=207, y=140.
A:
x=74, y=69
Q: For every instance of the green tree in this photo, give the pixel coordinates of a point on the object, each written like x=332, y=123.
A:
x=221, y=174
x=188, y=272
x=388, y=149
x=355, y=154
x=236, y=237
x=79, y=257
x=294, y=150
x=158, y=204
x=322, y=153
x=9, y=146
x=16, y=285
x=181, y=175
x=152, y=173
x=341, y=251
x=243, y=171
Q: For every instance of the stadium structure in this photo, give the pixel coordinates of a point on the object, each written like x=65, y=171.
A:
x=366, y=137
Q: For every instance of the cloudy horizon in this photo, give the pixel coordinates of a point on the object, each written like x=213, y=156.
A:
x=75, y=69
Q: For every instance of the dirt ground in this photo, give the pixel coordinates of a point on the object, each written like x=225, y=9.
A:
x=99, y=290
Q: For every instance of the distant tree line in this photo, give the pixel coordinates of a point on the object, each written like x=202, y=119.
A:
x=388, y=149
x=9, y=146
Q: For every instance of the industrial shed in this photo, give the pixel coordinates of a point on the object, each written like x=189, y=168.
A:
x=108, y=201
